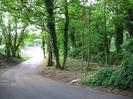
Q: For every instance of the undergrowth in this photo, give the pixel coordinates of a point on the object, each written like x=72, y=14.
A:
x=120, y=76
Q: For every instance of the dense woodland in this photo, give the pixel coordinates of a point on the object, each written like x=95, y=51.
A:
x=93, y=31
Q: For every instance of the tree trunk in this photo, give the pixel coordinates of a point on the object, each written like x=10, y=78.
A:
x=82, y=66
x=66, y=34
x=50, y=56
x=51, y=26
x=82, y=35
x=15, y=40
x=105, y=41
x=9, y=44
x=89, y=37
x=43, y=45
x=49, y=50
x=130, y=19
x=119, y=36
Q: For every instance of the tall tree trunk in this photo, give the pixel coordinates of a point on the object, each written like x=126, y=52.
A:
x=105, y=41
x=119, y=35
x=15, y=40
x=7, y=49
x=43, y=44
x=89, y=37
x=51, y=26
x=9, y=44
x=66, y=34
x=50, y=56
x=130, y=19
x=83, y=48
x=50, y=53
x=82, y=35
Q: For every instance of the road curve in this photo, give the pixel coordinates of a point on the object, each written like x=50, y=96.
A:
x=22, y=82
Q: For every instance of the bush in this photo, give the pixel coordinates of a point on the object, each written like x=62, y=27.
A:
x=121, y=77
x=101, y=77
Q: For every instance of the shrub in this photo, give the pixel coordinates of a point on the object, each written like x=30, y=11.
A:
x=122, y=77
x=99, y=78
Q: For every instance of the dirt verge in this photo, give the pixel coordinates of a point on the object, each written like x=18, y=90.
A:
x=72, y=74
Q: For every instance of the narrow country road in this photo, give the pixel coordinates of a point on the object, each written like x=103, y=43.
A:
x=22, y=82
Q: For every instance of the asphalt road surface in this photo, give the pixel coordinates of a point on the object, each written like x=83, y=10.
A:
x=22, y=82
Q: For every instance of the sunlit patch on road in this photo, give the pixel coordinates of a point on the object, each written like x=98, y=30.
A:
x=35, y=54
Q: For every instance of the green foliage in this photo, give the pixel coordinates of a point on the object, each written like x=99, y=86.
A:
x=128, y=46
x=121, y=77
x=30, y=38
x=101, y=77
x=106, y=27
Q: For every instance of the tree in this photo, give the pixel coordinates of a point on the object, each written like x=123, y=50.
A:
x=89, y=34
x=43, y=44
x=66, y=32
x=81, y=29
x=50, y=52
x=13, y=35
x=51, y=26
x=105, y=38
